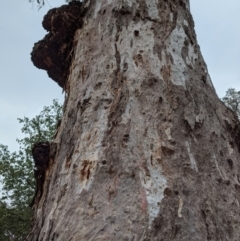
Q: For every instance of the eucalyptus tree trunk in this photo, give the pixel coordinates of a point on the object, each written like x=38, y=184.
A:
x=145, y=149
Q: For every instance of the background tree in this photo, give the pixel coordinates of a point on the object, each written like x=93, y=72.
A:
x=16, y=172
x=232, y=100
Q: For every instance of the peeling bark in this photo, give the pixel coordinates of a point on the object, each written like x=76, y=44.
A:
x=145, y=149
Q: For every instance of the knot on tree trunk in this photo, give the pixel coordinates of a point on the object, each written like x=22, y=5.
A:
x=54, y=52
x=41, y=155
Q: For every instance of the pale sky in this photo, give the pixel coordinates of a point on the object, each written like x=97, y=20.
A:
x=25, y=89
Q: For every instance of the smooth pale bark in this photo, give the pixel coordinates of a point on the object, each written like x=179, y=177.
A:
x=145, y=150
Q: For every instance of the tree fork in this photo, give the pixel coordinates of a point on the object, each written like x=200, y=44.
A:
x=145, y=149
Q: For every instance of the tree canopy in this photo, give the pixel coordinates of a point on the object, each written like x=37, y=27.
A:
x=232, y=100
x=16, y=172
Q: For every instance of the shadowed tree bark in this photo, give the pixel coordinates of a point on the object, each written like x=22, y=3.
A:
x=145, y=149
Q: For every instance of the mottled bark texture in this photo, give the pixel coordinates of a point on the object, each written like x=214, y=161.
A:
x=145, y=150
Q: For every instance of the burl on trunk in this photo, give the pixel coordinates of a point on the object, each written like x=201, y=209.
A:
x=145, y=150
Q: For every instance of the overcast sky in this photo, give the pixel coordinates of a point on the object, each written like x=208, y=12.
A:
x=25, y=89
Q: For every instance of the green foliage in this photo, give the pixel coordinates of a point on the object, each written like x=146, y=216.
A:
x=16, y=172
x=14, y=222
x=232, y=100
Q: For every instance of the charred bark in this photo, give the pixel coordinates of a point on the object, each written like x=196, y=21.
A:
x=145, y=149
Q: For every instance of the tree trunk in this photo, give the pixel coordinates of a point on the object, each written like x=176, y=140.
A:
x=145, y=149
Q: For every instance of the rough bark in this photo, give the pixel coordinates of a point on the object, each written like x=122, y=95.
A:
x=145, y=150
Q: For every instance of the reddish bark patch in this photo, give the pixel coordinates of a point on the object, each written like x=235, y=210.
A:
x=86, y=170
